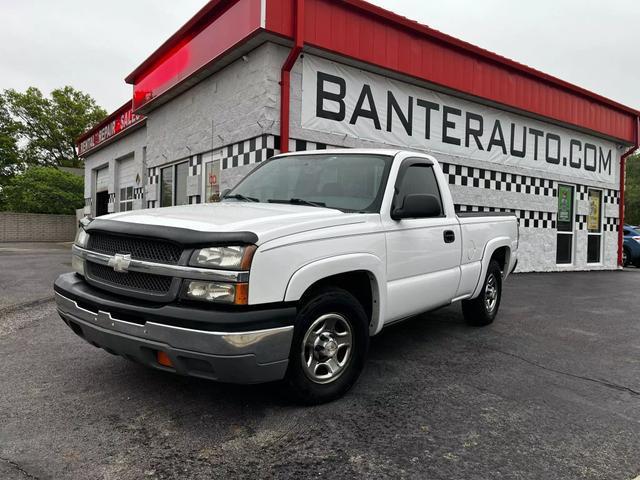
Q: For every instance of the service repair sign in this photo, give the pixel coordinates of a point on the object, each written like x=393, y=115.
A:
x=345, y=100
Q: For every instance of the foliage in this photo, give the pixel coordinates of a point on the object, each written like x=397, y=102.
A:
x=10, y=162
x=43, y=190
x=632, y=191
x=46, y=127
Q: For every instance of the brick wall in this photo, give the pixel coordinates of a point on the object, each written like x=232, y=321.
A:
x=35, y=227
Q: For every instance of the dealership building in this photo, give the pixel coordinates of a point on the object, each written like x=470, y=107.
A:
x=246, y=79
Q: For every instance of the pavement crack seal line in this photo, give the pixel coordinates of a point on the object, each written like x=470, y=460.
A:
x=17, y=467
x=604, y=383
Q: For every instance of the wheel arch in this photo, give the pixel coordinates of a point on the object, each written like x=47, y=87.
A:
x=500, y=250
x=363, y=275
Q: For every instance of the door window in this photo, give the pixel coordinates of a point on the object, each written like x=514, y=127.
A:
x=419, y=178
x=126, y=199
x=564, y=225
x=594, y=227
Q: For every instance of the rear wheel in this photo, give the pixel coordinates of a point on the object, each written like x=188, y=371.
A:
x=483, y=309
x=329, y=349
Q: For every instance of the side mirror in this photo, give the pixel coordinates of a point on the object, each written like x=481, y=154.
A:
x=417, y=205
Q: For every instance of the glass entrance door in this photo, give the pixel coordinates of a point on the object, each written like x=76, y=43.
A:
x=211, y=180
x=594, y=227
x=564, y=225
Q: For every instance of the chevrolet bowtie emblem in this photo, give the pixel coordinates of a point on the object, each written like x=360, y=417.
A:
x=120, y=262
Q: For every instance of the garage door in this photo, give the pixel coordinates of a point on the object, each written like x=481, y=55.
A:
x=126, y=181
x=102, y=179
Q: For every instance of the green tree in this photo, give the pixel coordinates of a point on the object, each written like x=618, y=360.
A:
x=47, y=127
x=632, y=191
x=43, y=190
x=10, y=158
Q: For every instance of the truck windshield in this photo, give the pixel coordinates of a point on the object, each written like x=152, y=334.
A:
x=347, y=182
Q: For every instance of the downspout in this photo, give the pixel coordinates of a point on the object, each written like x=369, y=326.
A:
x=623, y=159
x=285, y=75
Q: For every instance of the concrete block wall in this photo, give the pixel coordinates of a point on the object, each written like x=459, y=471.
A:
x=36, y=227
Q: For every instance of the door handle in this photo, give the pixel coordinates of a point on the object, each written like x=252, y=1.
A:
x=449, y=236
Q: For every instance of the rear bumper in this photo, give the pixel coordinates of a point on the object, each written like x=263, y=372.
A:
x=241, y=356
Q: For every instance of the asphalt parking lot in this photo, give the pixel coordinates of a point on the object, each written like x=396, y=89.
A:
x=551, y=390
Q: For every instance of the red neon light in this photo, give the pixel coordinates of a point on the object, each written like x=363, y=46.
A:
x=232, y=26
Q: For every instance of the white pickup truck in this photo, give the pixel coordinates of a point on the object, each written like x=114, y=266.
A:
x=290, y=274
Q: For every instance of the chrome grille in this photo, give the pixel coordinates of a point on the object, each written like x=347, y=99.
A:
x=139, y=248
x=143, y=282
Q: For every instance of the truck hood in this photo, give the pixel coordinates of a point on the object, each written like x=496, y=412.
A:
x=267, y=220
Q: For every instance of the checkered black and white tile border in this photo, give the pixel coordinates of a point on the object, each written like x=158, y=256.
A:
x=528, y=218
x=611, y=197
x=154, y=175
x=581, y=222
x=247, y=152
x=195, y=165
x=258, y=149
x=494, y=180
x=610, y=224
x=138, y=193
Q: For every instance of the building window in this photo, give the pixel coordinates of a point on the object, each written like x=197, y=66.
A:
x=564, y=225
x=173, y=185
x=126, y=199
x=594, y=227
x=211, y=181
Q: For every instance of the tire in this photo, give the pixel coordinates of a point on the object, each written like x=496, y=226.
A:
x=329, y=348
x=625, y=258
x=483, y=309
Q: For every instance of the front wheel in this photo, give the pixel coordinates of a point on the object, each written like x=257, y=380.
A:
x=330, y=345
x=483, y=309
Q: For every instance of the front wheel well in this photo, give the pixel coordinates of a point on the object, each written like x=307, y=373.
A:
x=360, y=284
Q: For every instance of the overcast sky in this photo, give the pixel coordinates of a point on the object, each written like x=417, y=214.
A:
x=93, y=45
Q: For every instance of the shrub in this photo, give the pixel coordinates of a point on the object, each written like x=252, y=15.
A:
x=43, y=190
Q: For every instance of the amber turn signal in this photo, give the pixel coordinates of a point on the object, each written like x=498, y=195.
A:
x=163, y=359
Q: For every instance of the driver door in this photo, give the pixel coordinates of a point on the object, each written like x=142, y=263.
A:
x=423, y=254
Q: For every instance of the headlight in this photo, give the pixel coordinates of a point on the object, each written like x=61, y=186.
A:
x=226, y=258
x=233, y=293
x=82, y=238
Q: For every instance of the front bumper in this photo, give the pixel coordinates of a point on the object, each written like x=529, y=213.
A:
x=251, y=355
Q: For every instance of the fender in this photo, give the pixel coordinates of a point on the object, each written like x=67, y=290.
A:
x=311, y=273
x=489, y=250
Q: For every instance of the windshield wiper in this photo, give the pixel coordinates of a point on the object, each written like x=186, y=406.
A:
x=244, y=198
x=298, y=201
